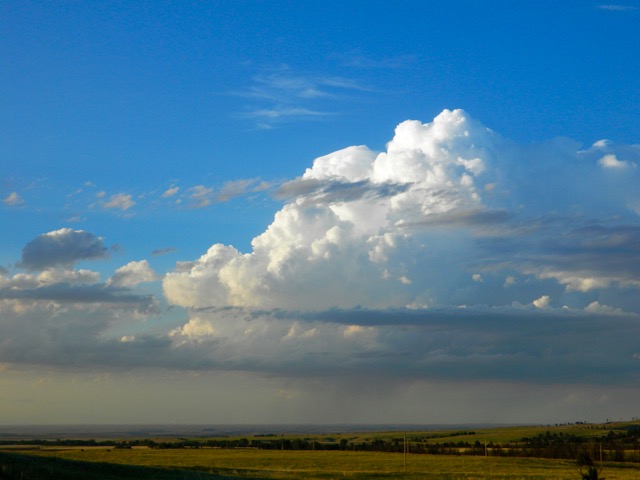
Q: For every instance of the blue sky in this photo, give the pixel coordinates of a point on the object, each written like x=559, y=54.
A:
x=428, y=209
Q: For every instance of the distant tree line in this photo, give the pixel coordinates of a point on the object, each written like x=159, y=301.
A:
x=620, y=445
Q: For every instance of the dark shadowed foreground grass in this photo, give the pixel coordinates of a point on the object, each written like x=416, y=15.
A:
x=28, y=467
x=321, y=465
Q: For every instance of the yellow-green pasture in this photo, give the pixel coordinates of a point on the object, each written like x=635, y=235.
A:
x=497, y=435
x=323, y=465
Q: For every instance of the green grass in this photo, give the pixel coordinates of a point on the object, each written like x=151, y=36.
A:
x=213, y=463
x=501, y=435
x=323, y=465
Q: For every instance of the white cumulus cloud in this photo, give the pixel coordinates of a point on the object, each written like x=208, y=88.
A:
x=120, y=201
x=451, y=225
x=542, y=302
x=597, y=307
x=442, y=216
x=610, y=161
x=342, y=238
x=132, y=274
x=170, y=192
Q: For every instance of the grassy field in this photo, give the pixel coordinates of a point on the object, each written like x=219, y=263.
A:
x=323, y=465
x=48, y=462
x=498, y=435
x=16, y=466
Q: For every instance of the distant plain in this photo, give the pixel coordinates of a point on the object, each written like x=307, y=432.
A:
x=328, y=461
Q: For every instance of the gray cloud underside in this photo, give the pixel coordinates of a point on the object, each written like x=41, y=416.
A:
x=323, y=191
x=480, y=343
x=477, y=217
x=62, y=247
x=68, y=293
x=163, y=251
x=568, y=245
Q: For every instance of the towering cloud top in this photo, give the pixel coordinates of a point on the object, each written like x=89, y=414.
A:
x=342, y=239
x=453, y=253
x=414, y=225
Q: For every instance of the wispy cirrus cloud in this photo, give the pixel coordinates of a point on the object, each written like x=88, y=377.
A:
x=238, y=188
x=201, y=196
x=357, y=59
x=82, y=201
x=13, y=200
x=284, y=85
x=158, y=252
x=617, y=8
x=170, y=192
x=283, y=95
x=278, y=112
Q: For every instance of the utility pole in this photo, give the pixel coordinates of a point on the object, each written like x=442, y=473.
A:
x=405, y=452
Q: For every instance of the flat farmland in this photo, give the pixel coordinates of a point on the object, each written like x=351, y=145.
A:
x=251, y=463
